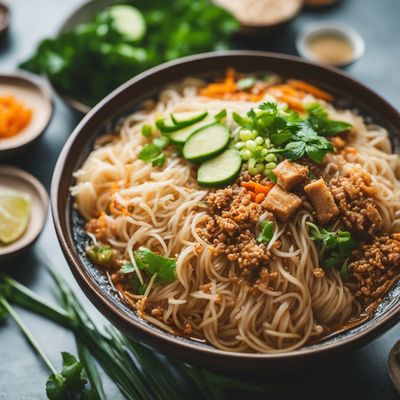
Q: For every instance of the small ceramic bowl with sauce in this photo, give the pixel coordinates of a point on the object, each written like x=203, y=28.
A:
x=330, y=43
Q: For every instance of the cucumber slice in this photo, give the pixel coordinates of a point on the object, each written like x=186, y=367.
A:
x=179, y=121
x=206, y=142
x=181, y=136
x=128, y=21
x=188, y=118
x=220, y=170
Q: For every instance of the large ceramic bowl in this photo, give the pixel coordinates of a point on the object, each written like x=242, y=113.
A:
x=69, y=225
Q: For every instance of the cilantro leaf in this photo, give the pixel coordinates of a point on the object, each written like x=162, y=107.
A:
x=127, y=268
x=295, y=150
x=152, y=263
x=69, y=382
x=266, y=232
x=320, y=122
x=337, y=246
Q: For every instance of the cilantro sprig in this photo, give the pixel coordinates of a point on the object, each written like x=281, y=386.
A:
x=151, y=264
x=266, y=232
x=290, y=134
x=337, y=246
x=320, y=122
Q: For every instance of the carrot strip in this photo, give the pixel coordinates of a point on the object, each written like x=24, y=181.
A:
x=292, y=102
x=253, y=196
x=260, y=197
x=306, y=87
x=248, y=185
x=264, y=189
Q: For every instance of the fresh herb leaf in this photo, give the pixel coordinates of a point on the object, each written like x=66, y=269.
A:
x=221, y=115
x=306, y=142
x=127, y=268
x=158, y=161
x=246, y=83
x=266, y=232
x=320, y=122
x=272, y=176
x=149, y=152
x=152, y=263
x=337, y=245
x=69, y=382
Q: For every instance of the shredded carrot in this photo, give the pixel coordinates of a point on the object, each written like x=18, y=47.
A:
x=257, y=188
x=292, y=101
x=252, y=195
x=260, y=197
x=306, y=87
x=14, y=116
x=286, y=89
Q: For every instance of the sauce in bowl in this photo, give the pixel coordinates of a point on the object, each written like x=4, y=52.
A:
x=331, y=48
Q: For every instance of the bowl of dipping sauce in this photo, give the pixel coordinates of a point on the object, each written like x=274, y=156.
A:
x=330, y=43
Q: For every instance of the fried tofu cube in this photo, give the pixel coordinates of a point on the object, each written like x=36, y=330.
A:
x=282, y=203
x=322, y=200
x=290, y=174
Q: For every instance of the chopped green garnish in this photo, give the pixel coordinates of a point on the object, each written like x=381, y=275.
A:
x=337, y=246
x=162, y=142
x=158, y=161
x=149, y=152
x=272, y=176
x=320, y=122
x=246, y=83
x=221, y=115
x=102, y=255
x=266, y=232
x=153, y=263
x=147, y=130
x=127, y=268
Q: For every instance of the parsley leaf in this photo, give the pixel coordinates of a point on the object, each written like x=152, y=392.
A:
x=337, y=246
x=152, y=263
x=266, y=232
x=69, y=382
x=320, y=122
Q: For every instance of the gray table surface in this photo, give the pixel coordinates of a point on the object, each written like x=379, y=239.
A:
x=360, y=375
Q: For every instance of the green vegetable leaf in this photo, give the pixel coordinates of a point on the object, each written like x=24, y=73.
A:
x=320, y=122
x=337, y=245
x=266, y=232
x=221, y=115
x=272, y=176
x=69, y=382
x=246, y=83
x=127, y=268
x=295, y=150
x=152, y=263
x=149, y=152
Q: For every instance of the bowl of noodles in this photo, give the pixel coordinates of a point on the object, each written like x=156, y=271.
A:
x=236, y=209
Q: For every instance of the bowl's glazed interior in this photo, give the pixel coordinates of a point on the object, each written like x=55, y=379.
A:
x=69, y=224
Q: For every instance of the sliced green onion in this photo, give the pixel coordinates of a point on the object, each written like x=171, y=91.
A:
x=239, y=145
x=245, y=134
x=270, y=165
x=270, y=158
x=264, y=152
x=259, y=167
x=245, y=154
x=147, y=130
x=251, y=145
x=259, y=140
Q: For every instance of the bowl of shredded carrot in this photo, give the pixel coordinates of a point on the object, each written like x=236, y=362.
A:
x=25, y=111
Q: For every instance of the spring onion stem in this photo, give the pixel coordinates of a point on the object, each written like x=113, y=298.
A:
x=27, y=333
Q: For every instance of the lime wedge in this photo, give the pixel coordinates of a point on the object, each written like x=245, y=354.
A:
x=15, y=208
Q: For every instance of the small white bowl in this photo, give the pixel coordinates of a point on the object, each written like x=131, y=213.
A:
x=33, y=94
x=15, y=179
x=323, y=28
